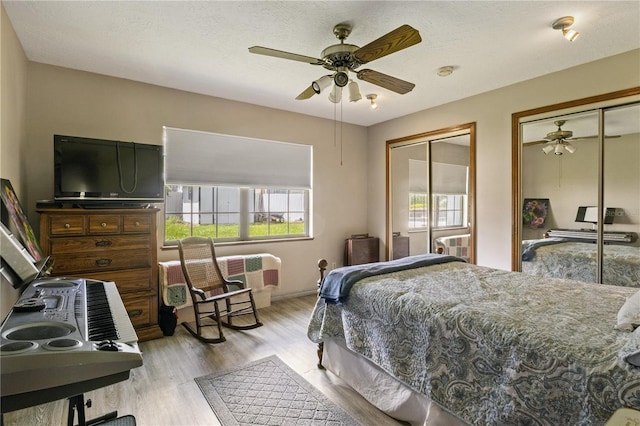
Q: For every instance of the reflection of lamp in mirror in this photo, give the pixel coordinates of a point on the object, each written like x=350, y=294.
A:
x=569, y=147
x=558, y=148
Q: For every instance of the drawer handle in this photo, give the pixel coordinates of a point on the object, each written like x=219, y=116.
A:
x=103, y=262
x=103, y=224
x=67, y=226
x=134, y=313
x=103, y=243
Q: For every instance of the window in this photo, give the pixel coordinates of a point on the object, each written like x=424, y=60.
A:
x=418, y=210
x=235, y=189
x=449, y=211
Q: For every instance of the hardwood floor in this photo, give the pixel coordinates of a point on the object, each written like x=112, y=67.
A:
x=163, y=390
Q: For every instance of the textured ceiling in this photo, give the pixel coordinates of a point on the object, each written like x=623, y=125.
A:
x=203, y=46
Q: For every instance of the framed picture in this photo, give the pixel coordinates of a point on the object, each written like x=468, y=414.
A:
x=14, y=218
x=534, y=212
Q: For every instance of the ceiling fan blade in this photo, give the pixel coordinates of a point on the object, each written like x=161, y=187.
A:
x=388, y=82
x=306, y=94
x=398, y=39
x=592, y=137
x=537, y=142
x=285, y=55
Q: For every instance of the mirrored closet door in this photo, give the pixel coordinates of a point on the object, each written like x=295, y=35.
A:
x=430, y=193
x=577, y=190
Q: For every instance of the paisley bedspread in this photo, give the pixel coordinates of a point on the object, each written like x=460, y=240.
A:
x=492, y=346
x=577, y=261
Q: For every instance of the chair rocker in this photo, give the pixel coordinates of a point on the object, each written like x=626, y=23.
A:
x=211, y=293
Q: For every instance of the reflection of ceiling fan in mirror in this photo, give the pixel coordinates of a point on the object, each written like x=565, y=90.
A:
x=343, y=58
x=558, y=141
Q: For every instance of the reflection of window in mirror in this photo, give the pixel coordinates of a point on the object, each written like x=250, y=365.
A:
x=430, y=183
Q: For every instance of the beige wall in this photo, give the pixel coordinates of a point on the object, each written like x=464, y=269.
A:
x=348, y=198
x=492, y=113
x=69, y=102
x=13, y=83
x=64, y=101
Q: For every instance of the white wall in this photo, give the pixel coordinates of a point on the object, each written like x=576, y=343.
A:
x=492, y=112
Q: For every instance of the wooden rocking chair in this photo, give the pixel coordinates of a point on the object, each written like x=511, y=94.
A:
x=208, y=288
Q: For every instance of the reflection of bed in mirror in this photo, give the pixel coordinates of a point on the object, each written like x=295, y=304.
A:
x=455, y=343
x=576, y=260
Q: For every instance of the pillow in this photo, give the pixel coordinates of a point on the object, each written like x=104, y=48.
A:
x=630, y=351
x=629, y=314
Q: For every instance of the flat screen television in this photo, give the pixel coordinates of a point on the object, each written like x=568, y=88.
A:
x=98, y=172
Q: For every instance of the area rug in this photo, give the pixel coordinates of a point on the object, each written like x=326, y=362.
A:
x=268, y=392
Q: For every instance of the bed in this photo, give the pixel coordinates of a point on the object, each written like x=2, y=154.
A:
x=455, y=343
x=563, y=258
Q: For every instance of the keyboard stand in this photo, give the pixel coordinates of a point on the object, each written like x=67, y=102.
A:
x=76, y=403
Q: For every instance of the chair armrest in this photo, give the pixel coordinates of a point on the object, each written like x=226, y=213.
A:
x=199, y=292
x=235, y=283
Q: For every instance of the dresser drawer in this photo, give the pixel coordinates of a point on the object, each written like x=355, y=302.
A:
x=66, y=225
x=108, y=261
x=136, y=223
x=105, y=244
x=128, y=281
x=104, y=224
x=140, y=309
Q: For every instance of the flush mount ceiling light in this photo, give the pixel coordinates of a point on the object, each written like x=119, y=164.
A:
x=563, y=24
x=445, y=71
x=372, y=98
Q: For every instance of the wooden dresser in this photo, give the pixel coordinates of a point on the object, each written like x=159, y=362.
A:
x=116, y=245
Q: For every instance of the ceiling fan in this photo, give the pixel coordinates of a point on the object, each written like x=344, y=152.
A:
x=558, y=141
x=343, y=58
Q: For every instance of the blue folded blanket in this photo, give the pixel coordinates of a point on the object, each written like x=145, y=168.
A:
x=529, y=246
x=337, y=284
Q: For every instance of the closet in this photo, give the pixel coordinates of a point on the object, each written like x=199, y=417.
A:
x=577, y=189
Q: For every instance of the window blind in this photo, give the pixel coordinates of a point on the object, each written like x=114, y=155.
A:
x=418, y=176
x=445, y=178
x=449, y=178
x=202, y=158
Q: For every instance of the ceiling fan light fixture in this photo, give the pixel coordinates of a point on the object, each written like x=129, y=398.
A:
x=320, y=84
x=341, y=78
x=335, y=95
x=558, y=149
x=354, y=92
x=564, y=24
x=570, y=148
x=547, y=148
